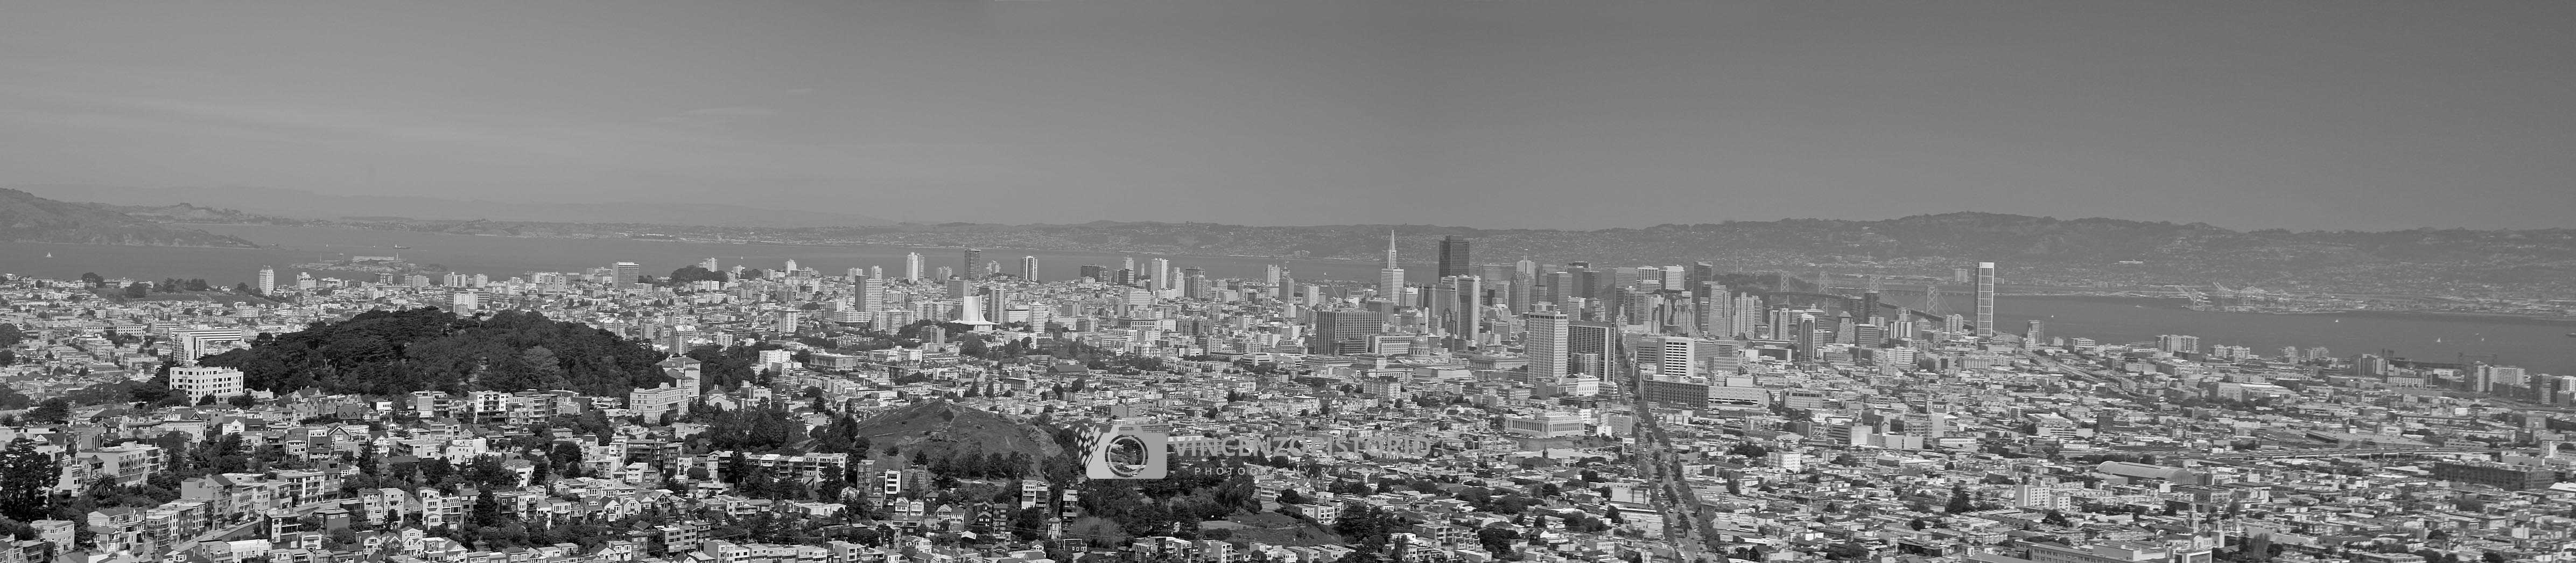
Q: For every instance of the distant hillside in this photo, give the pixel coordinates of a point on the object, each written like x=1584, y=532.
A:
x=27, y=218
x=301, y=204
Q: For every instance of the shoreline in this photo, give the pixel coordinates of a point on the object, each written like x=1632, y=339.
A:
x=2382, y=313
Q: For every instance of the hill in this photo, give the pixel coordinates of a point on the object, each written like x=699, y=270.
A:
x=300, y=204
x=27, y=218
x=944, y=429
x=396, y=352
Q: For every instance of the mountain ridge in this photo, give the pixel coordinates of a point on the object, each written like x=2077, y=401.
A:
x=300, y=204
x=25, y=217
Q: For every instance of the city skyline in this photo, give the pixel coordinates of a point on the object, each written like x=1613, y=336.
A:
x=1602, y=114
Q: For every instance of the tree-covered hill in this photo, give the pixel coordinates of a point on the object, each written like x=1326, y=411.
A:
x=393, y=352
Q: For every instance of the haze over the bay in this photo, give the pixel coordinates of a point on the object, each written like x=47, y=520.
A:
x=2346, y=115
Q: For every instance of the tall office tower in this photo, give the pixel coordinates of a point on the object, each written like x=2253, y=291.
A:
x=1588, y=346
x=854, y=274
x=914, y=266
x=1029, y=268
x=1953, y=323
x=708, y=264
x=1158, y=272
x=1543, y=340
x=1869, y=304
x=871, y=294
x=1311, y=295
x=1390, y=283
x=1466, y=312
x=960, y=288
x=1453, y=256
x=791, y=266
x=943, y=273
x=1095, y=272
x=267, y=280
x=1669, y=356
x=1285, y=290
x=1550, y=287
x=452, y=279
x=974, y=264
x=1700, y=273
x=1344, y=332
x=1128, y=263
x=1986, y=299
x=876, y=272
x=1748, y=314
x=1675, y=278
x=624, y=274
x=1123, y=276
x=1194, y=283
x=2037, y=333
x=1517, y=296
x=1271, y=274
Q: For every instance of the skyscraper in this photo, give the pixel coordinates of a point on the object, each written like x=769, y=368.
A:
x=1464, y=314
x=1453, y=256
x=1193, y=283
x=267, y=280
x=1986, y=299
x=1029, y=268
x=624, y=274
x=871, y=294
x=1096, y=272
x=914, y=266
x=1158, y=273
x=1390, y=279
x=1543, y=341
x=960, y=288
x=974, y=264
x=1270, y=274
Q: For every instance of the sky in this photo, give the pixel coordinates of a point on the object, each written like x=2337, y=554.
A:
x=1486, y=113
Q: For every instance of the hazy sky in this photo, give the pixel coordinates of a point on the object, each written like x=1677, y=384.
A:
x=1566, y=114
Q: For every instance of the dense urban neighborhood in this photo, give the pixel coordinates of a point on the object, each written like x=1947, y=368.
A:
x=766, y=413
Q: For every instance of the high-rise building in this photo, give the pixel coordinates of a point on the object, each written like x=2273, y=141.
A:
x=1344, y=332
x=914, y=266
x=1390, y=279
x=1194, y=283
x=871, y=294
x=267, y=280
x=1158, y=273
x=2037, y=333
x=974, y=264
x=1985, y=299
x=625, y=274
x=1591, y=341
x=2178, y=343
x=960, y=288
x=1543, y=340
x=1464, y=316
x=1029, y=268
x=708, y=264
x=1095, y=272
x=790, y=267
x=944, y=273
x=1271, y=273
x=1453, y=256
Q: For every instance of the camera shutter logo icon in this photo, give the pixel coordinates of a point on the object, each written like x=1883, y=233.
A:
x=1125, y=450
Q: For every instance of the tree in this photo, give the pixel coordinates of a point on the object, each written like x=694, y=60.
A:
x=138, y=290
x=10, y=335
x=1958, y=501
x=26, y=476
x=53, y=411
